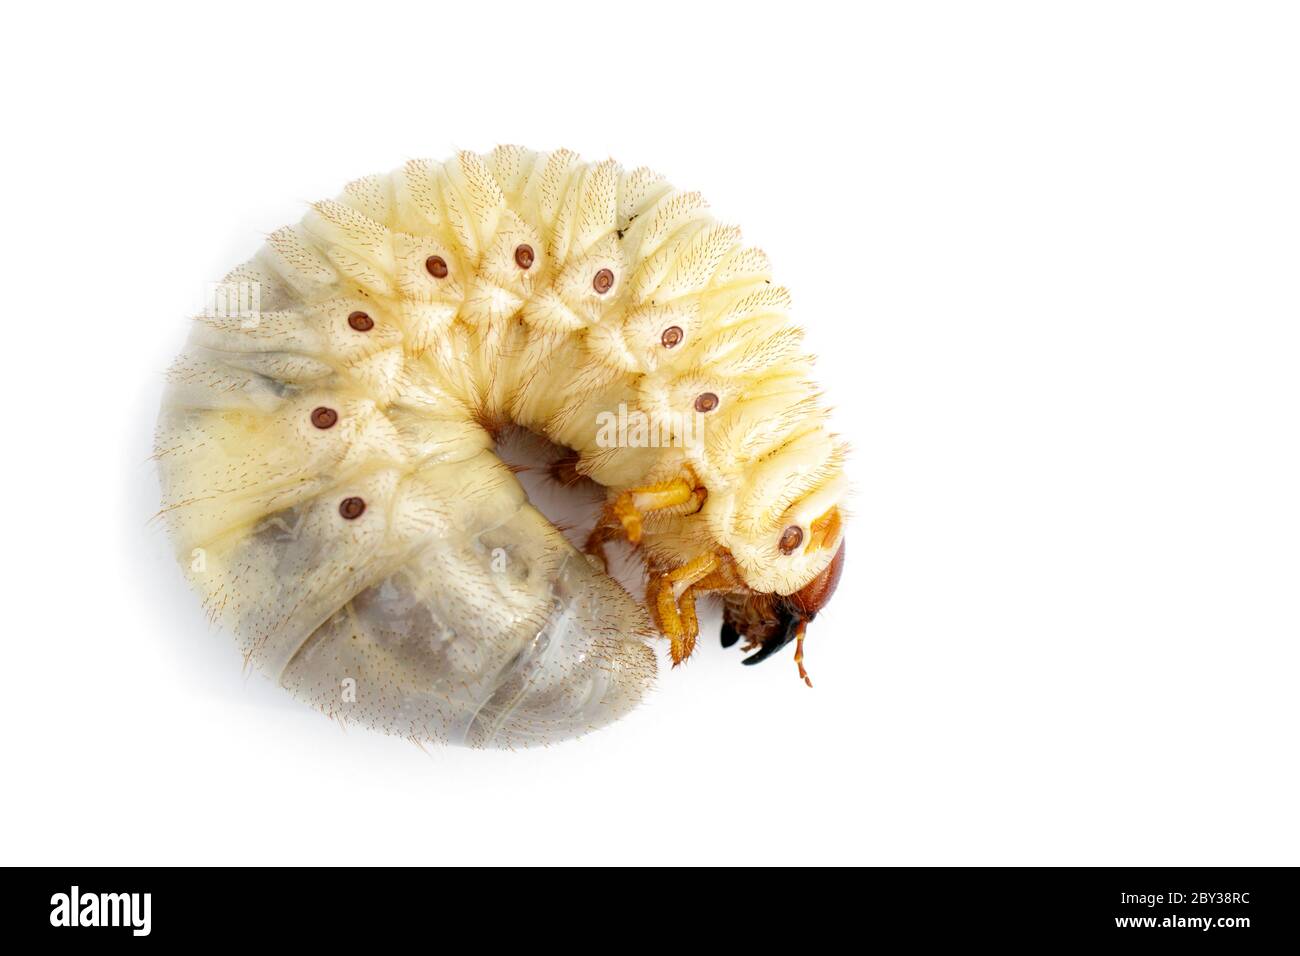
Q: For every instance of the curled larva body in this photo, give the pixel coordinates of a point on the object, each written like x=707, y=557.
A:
x=328, y=468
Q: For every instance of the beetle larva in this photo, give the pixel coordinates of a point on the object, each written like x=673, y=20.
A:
x=329, y=471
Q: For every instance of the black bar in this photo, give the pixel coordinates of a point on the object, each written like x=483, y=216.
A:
x=1226, y=907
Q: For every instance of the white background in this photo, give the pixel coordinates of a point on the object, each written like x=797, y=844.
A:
x=1048, y=255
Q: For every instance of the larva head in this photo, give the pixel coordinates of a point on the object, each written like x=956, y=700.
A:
x=786, y=537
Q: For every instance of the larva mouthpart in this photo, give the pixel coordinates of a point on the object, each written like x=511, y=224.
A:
x=328, y=468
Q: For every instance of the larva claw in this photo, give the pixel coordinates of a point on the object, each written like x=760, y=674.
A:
x=631, y=527
x=766, y=650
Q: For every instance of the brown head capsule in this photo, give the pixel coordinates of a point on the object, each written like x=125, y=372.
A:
x=437, y=266
x=706, y=402
x=524, y=256
x=603, y=282
x=351, y=508
x=361, y=322
x=323, y=417
x=812, y=597
x=672, y=336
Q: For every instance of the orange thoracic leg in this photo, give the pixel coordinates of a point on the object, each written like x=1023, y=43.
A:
x=629, y=507
x=626, y=512
x=675, y=612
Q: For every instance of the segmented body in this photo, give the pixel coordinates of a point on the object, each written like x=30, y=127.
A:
x=328, y=465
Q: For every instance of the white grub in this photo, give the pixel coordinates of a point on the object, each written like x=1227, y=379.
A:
x=328, y=446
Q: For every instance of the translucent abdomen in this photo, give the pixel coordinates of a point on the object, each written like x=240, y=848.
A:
x=448, y=609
